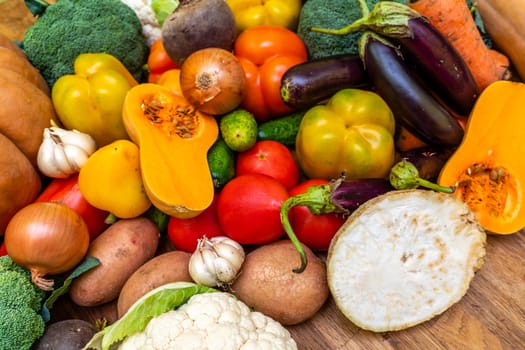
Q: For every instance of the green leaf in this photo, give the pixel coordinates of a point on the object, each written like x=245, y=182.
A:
x=88, y=263
x=163, y=8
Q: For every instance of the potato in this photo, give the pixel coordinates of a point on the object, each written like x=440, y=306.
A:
x=122, y=248
x=267, y=283
x=66, y=335
x=162, y=269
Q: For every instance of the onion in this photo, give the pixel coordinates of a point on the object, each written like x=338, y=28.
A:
x=213, y=81
x=46, y=238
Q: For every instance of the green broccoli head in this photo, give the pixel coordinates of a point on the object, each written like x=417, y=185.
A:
x=71, y=27
x=20, y=328
x=17, y=291
x=333, y=14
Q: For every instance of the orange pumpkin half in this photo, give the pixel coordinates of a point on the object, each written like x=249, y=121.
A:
x=487, y=168
x=173, y=139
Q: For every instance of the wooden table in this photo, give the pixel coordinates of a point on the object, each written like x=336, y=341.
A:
x=491, y=316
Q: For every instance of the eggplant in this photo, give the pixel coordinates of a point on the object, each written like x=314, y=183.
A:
x=430, y=53
x=311, y=82
x=428, y=160
x=412, y=103
x=338, y=196
x=439, y=63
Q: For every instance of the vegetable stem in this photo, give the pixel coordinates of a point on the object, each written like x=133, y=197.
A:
x=404, y=175
x=317, y=199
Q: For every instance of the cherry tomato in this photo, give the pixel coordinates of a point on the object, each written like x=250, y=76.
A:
x=314, y=231
x=266, y=53
x=249, y=209
x=185, y=233
x=3, y=250
x=271, y=158
x=158, y=61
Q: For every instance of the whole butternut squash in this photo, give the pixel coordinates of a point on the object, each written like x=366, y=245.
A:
x=504, y=21
x=174, y=139
x=26, y=111
x=487, y=167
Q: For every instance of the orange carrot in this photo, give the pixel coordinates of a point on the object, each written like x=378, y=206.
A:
x=454, y=20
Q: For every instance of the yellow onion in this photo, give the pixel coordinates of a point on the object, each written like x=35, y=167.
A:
x=47, y=238
x=212, y=80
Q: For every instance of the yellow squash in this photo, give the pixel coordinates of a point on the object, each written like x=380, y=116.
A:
x=174, y=139
x=487, y=168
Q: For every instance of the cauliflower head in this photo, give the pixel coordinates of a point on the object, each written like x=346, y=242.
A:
x=150, y=26
x=214, y=321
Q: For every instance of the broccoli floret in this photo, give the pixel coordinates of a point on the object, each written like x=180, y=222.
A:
x=20, y=328
x=20, y=303
x=333, y=14
x=71, y=27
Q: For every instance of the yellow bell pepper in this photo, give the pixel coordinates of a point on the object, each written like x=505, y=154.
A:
x=353, y=133
x=249, y=13
x=111, y=180
x=91, y=99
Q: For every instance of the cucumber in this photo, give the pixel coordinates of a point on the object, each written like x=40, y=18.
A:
x=221, y=161
x=283, y=129
x=311, y=82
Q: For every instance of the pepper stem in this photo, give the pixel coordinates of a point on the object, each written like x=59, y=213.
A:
x=317, y=199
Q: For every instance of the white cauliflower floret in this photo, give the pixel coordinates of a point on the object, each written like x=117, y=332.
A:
x=213, y=321
x=150, y=26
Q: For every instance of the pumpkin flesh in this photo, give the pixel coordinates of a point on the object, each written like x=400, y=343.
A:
x=173, y=139
x=486, y=168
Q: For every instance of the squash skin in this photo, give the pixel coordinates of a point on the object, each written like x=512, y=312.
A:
x=10, y=59
x=486, y=168
x=174, y=166
x=504, y=21
x=19, y=181
x=26, y=111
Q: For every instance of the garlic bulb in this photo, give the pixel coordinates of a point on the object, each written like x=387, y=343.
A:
x=63, y=152
x=216, y=261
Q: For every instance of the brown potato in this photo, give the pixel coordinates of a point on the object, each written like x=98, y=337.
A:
x=122, y=248
x=164, y=268
x=268, y=284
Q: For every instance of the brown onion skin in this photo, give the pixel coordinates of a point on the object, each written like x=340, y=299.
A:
x=213, y=81
x=47, y=238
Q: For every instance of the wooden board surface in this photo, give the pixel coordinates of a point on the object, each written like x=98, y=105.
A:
x=491, y=316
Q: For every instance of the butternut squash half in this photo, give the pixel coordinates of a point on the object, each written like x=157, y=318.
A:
x=173, y=139
x=487, y=168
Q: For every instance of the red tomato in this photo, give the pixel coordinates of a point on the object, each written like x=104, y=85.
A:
x=158, y=61
x=266, y=53
x=314, y=231
x=270, y=158
x=3, y=250
x=249, y=209
x=185, y=233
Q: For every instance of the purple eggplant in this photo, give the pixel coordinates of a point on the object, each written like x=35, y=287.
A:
x=338, y=196
x=413, y=105
x=428, y=160
x=311, y=82
x=433, y=57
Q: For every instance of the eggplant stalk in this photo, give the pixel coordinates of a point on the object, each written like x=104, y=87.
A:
x=337, y=196
x=404, y=175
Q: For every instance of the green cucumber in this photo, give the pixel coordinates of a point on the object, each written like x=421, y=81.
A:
x=221, y=161
x=282, y=129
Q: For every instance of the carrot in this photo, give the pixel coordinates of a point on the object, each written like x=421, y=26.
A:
x=454, y=20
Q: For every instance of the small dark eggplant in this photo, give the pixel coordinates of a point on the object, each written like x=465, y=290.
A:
x=413, y=105
x=338, y=196
x=309, y=83
x=428, y=160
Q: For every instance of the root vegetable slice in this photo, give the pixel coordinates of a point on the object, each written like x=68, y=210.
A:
x=404, y=257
